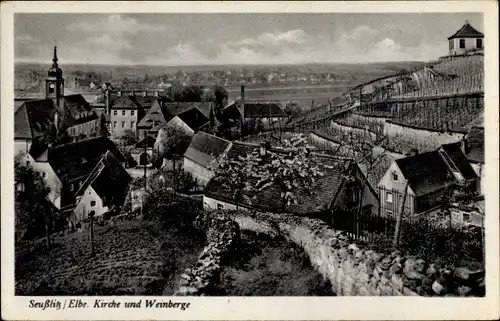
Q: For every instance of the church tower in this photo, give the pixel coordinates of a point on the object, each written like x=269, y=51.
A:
x=54, y=84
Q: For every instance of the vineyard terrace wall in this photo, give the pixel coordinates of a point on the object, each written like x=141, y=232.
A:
x=354, y=270
x=439, y=138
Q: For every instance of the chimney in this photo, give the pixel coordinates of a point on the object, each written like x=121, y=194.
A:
x=242, y=93
x=106, y=100
x=264, y=146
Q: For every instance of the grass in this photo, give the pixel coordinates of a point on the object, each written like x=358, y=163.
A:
x=132, y=258
x=261, y=266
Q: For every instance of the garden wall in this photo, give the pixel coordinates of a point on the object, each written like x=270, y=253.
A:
x=355, y=270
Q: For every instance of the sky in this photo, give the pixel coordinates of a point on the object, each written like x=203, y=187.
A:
x=234, y=38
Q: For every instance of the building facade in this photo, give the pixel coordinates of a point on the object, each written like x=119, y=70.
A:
x=465, y=40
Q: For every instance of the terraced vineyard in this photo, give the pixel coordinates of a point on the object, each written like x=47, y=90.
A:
x=132, y=258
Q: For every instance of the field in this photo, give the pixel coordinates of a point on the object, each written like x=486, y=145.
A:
x=262, y=266
x=132, y=258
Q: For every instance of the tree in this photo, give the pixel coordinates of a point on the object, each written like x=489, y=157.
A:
x=293, y=109
x=129, y=137
x=234, y=175
x=35, y=210
x=171, y=142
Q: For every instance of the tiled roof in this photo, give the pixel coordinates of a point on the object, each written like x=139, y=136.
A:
x=194, y=118
x=173, y=109
x=109, y=180
x=323, y=194
x=475, y=145
x=459, y=160
x=74, y=160
x=467, y=31
x=125, y=102
x=154, y=116
x=204, y=148
x=256, y=109
x=33, y=118
x=145, y=101
x=426, y=172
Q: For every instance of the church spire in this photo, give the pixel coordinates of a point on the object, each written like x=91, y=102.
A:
x=54, y=64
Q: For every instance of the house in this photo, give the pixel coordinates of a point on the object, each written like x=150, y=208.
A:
x=75, y=161
x=151, y=120
x=427, y=177
x=71, y=113
x=104, y=189
x=195, y=115
x=124, y=116
x=474, y=151
x=333, y=192
x=201, y=155
x=466, y=39
x=264, y=111
x=143, y=151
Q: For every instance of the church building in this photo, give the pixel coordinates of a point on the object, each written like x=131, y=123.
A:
x=48, y=119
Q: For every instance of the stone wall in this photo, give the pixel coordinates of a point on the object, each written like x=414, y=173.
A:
x=354, y=269
x=221, y=233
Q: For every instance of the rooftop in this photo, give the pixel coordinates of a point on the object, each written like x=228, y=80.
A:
x=467, y=31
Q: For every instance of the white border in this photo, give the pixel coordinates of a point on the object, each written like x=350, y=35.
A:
x=273, y=308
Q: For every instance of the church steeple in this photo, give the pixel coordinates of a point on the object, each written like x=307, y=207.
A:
x=54, y=64
x=54, y=84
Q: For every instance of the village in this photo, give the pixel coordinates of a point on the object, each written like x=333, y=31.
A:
x=390, y=163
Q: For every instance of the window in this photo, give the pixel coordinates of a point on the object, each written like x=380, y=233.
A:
x=479, y=43
x=220, y=206
x=123, y=124
x=462, y=44
x=132, y=112
x=114, y=124
x=92, y=203
x=124, y=112
x=115, y=113
x=132, y=124
x=388, y=197
x=466, y=217
x=28, y=163
x=452, y=44
x=394, y=177
x=389, y=213
x=44, y=174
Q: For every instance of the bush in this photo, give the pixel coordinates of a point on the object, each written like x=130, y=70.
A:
x=453, y=246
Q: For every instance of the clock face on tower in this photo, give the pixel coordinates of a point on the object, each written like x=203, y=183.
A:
x=52, y=86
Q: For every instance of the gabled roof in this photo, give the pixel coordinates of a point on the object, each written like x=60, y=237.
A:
x=459, y=160
x=153, y=117
x=475, y=145
x=431, y=171
x=125, y=102
x=171, y=110
x=323, y=195
x=467, y=31
x=78, y=159
x=205, y=148
x=33, y=118
x=109, y=180
x=194, y=118
x=426, y=172
x=262, y=109
x=145, y=101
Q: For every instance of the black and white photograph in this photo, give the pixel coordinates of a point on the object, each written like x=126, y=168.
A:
x=241, y=154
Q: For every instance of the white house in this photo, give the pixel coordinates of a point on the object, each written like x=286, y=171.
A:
x=465, y=40
x=201, y=155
